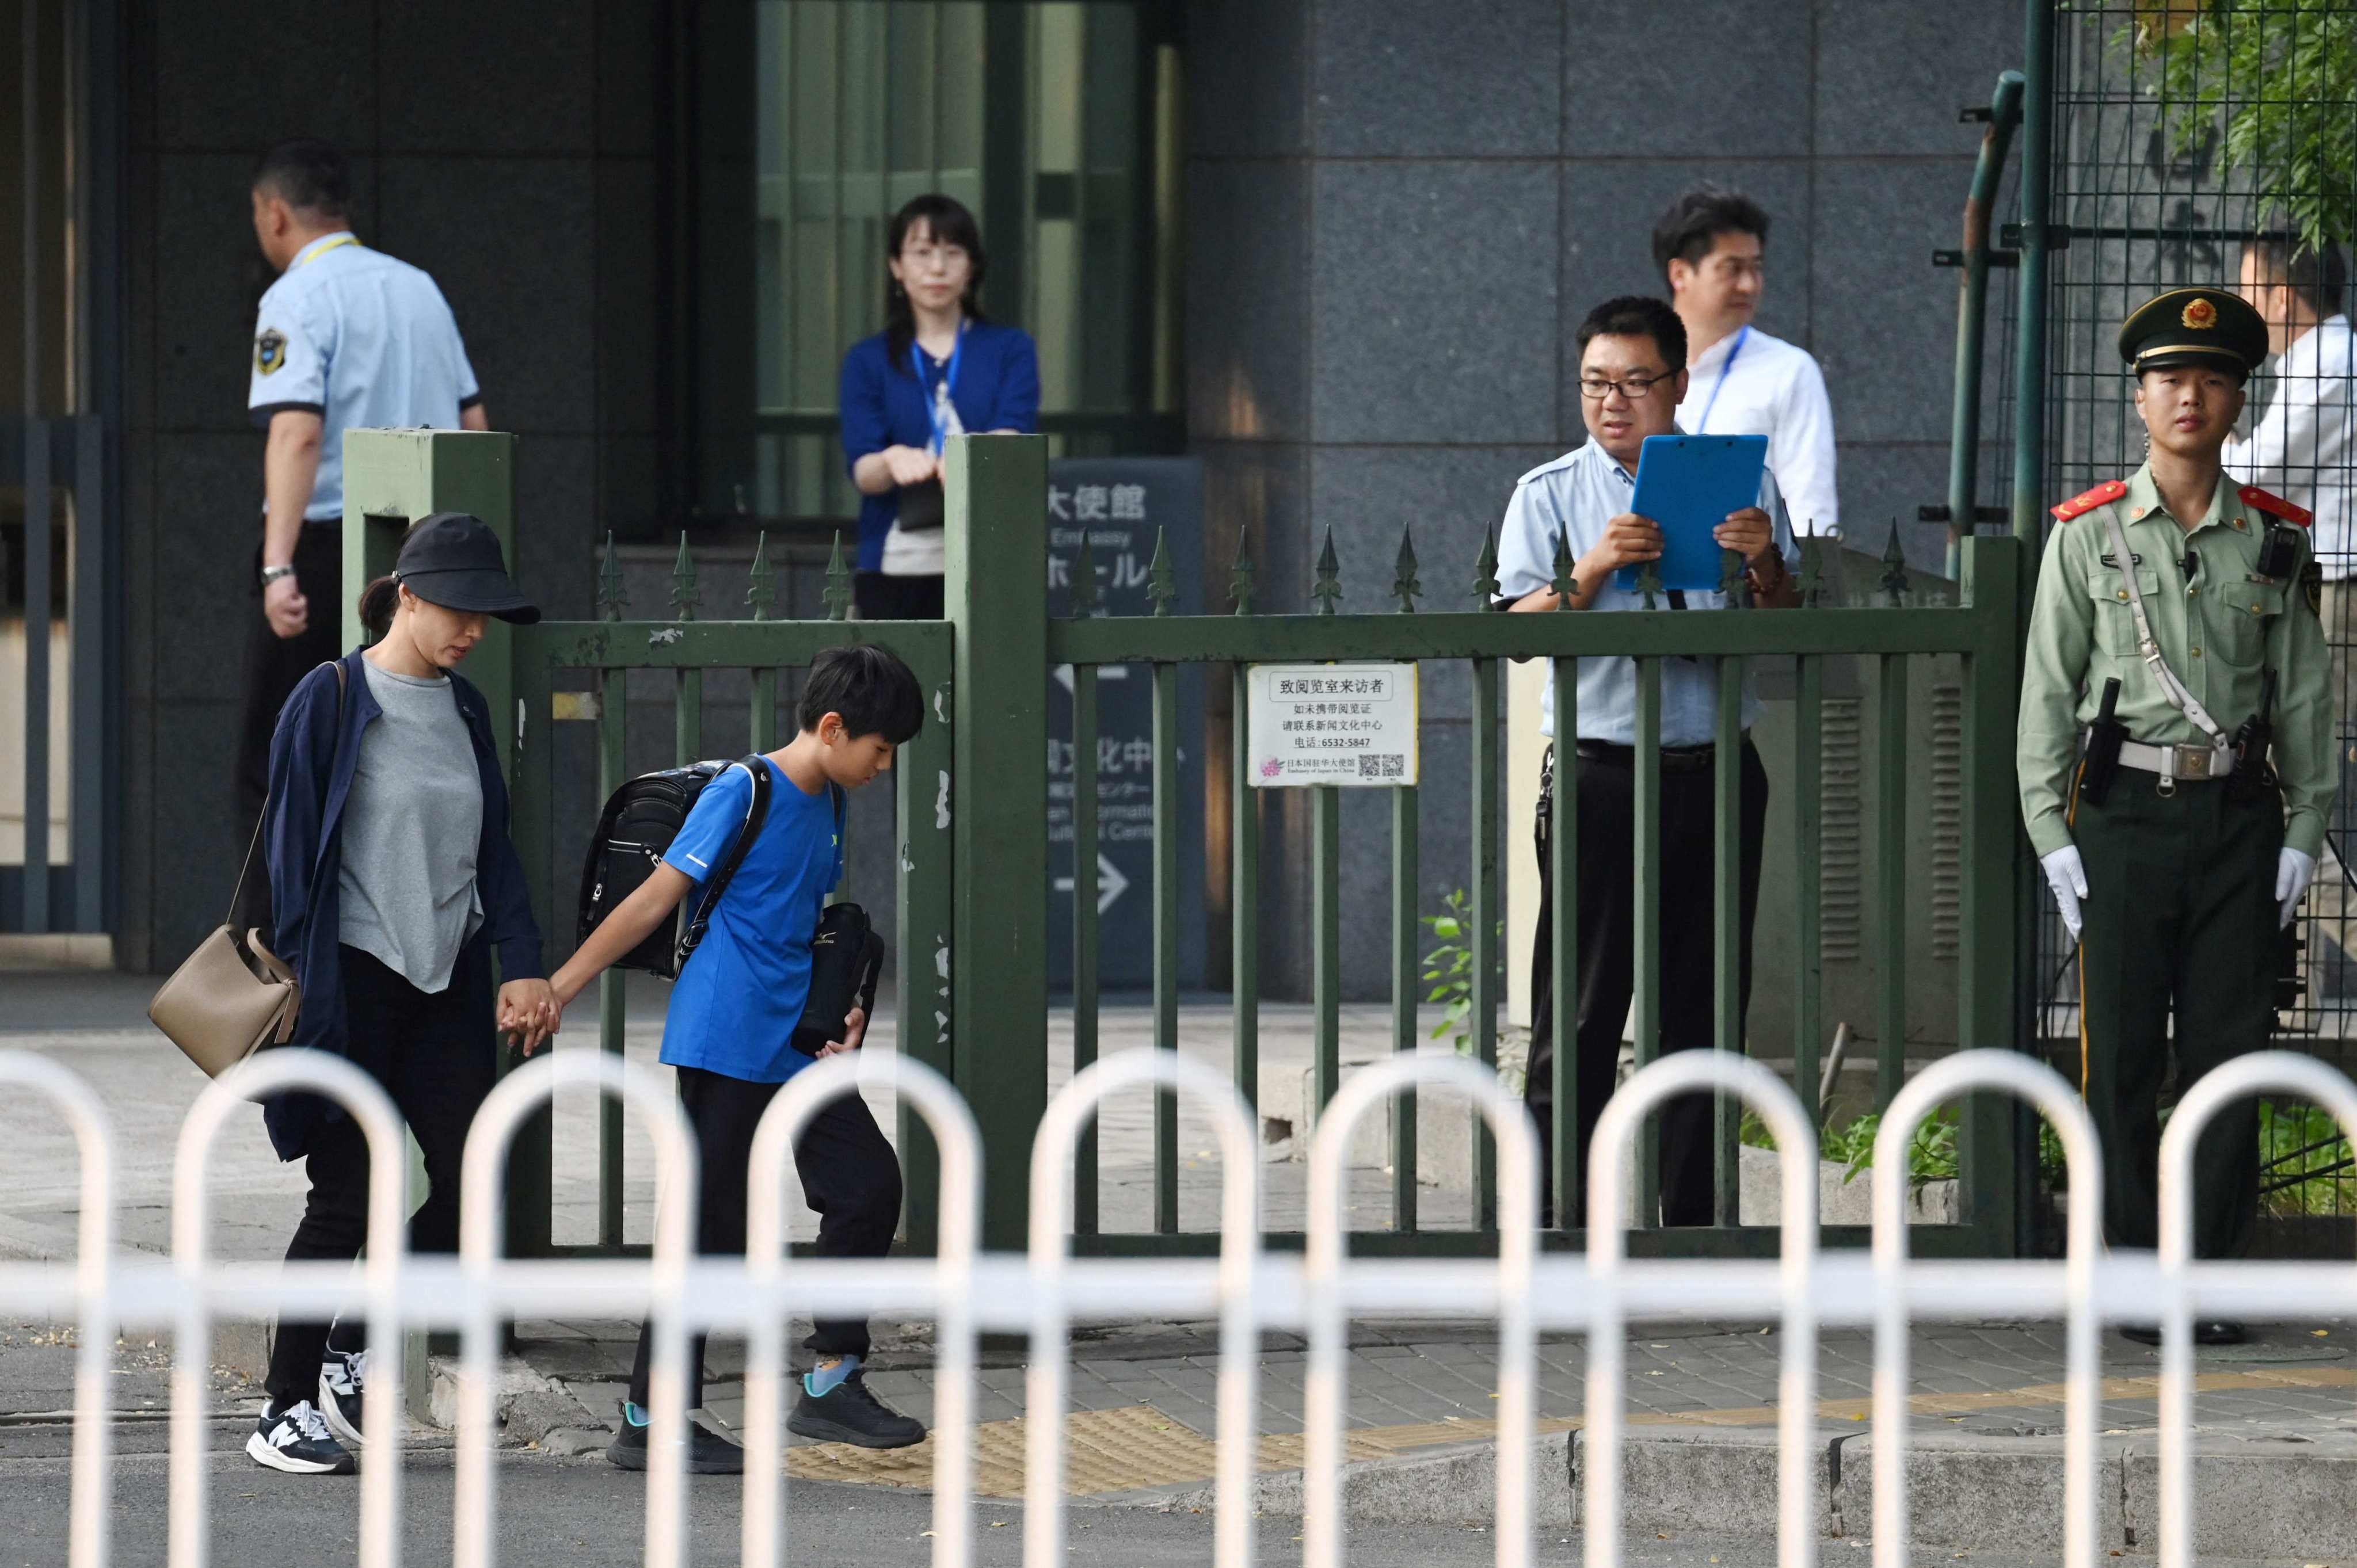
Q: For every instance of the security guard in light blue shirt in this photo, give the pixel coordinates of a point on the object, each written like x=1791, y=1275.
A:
x=347, y=339
x=1631, y=376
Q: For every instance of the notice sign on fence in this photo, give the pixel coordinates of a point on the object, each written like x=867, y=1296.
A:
x=1333, y=724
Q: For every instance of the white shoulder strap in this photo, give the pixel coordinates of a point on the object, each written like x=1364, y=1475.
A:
x=2148, y=647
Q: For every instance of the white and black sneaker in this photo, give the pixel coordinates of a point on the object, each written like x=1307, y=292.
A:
x=297, y=1440
x=342, y=1379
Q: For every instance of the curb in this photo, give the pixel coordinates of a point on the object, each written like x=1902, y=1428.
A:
x=2278, y=1499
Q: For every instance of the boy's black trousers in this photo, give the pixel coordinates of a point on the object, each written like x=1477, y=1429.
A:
x=849, y=1174
x=1606, y=854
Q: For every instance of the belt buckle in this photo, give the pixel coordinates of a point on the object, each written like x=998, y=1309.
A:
x=2193, y=762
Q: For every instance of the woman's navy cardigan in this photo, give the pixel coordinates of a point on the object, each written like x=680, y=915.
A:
x=312, y=759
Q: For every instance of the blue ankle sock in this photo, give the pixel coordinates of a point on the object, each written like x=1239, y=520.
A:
x=636, y=1416
x=824, y=1381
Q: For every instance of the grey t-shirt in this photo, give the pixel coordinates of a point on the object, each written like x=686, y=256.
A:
x=410, y=830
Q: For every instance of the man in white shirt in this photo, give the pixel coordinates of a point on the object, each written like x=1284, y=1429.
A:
x=2304, y=448
x=1710, y=246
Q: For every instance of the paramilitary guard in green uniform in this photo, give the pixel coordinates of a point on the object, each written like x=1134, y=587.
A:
x=2175, y=647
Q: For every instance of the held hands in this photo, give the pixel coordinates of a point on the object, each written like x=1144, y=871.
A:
x=2068, y=877
x=529, y=1014
x=911, y=465
x=283, y=606
x=855, y=1030
x=2295, y=869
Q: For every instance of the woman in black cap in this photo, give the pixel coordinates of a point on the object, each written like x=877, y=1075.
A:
x=393, y=884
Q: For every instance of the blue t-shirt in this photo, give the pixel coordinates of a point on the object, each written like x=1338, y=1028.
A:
x=734, y=1008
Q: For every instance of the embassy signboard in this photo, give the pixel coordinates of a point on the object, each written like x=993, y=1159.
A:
x=1118, y=505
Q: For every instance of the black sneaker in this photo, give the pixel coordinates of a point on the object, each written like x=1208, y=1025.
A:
x=342, y=1379
x=848, y=1413
x=2207, y=1331
x=297, y=1440
x=708, y=1452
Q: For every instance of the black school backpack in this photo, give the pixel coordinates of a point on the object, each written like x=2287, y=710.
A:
x=636, y=828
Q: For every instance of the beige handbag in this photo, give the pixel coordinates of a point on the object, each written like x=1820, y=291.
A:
x=224, y=1002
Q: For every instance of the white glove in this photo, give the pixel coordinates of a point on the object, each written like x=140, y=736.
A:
x=2295, y=869
x=2068, y=877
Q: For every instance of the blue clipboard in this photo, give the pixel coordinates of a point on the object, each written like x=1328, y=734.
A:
x=1688, y=484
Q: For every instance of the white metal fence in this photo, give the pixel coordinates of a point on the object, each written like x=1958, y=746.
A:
x=966, y=1292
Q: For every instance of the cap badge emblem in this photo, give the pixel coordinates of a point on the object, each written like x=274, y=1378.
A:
x=2200, y=315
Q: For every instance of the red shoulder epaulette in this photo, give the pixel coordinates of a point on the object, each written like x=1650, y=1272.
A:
x=2109, y=490
x=2275, y=505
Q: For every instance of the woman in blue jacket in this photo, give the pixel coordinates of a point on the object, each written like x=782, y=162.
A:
x=937, y=370
x=394, y=883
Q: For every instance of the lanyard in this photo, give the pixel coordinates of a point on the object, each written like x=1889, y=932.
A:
x=936, y=415
x=1719, y=386
x=337, y=243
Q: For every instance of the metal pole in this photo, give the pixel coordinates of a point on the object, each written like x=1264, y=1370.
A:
x=1964, y=451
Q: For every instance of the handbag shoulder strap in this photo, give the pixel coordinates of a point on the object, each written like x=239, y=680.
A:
x=246, y=867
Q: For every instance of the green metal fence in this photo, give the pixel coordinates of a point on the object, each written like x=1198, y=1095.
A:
x=971, y=844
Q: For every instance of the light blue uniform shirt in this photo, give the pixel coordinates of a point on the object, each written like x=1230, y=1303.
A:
x=363, y=341
x=1577, y=494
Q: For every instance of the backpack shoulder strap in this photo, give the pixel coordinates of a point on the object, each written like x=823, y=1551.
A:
x=757, y=813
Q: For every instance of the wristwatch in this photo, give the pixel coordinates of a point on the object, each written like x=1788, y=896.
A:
x=272, y=574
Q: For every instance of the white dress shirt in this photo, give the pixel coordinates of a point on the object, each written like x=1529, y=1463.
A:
x=1577, y=494
x=2303, y=447
x=1749, y=383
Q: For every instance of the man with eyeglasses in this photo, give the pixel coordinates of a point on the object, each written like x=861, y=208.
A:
x=1632, y=359
x=1712, y=246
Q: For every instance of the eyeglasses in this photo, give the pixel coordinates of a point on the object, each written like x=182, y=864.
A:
x=1596, y=389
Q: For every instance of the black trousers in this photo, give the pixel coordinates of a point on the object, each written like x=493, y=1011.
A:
x=2179, y=910
x=273, y=666
x=435, y=1057
x=880, y=597
x=1606, y=937
x=849, y=1174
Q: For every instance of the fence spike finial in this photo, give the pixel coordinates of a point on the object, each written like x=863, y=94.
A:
x=1813, y=567
x=685, y=594
x=1649, y=582
x=1329, y=585
x=1405, y=584
x=1485, y=568
x=1566, y=586
x=1730, y=574
x=1161, y=580
x=1239, y=574
x=837, y=594
x=1894, y=568
x=613, y=596
x=1087, y=593
x=763, y=591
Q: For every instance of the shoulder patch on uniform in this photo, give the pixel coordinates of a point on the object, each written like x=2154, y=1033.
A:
x=2109, y=490
x=2274, y=506
x=269, y=350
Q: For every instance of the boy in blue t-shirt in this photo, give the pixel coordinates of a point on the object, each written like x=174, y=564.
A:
x=730, y=1027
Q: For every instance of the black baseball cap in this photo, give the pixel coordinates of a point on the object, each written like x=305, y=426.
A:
x=453, y=559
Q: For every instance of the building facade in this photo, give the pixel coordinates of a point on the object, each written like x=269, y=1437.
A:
x=1336, y=249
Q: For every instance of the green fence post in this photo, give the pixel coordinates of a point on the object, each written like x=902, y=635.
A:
x=392, y=477
x=997, y=598
x=1999, y=1189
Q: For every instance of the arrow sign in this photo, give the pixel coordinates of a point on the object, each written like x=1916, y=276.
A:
x=1105, y=673
x=1111, y=884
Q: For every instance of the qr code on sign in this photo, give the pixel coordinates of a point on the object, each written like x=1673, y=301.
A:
x=1382, y=765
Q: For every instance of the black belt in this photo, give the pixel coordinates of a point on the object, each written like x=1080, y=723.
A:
x=1674, y=759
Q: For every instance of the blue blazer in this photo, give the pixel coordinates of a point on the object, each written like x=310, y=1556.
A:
x=883, y=404
x=312, y=759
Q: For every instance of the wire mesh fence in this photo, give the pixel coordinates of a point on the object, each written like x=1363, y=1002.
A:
x=2214, y=142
